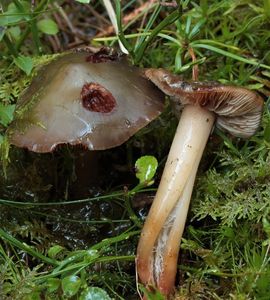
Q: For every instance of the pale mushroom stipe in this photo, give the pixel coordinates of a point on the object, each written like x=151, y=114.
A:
x=234, y=109
x=93, y=99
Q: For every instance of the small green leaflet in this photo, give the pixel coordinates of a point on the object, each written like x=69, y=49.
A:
x=94, y=293
x=25, y=63
x=83, y=1
x=47, y=26
x=146, y=167
x=15, y=32
x=11, y=16
x=55, y=250
x=6, y=113
x=52, y=284
x=71, y=285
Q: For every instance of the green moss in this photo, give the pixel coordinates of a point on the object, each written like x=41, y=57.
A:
x=14, y=81
x=238, y=186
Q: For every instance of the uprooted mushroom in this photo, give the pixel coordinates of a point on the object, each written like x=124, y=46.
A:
x=236, y=110
x=94, y=99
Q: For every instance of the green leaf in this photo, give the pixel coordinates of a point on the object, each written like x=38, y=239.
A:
x=94, y=293
x=83, y=1
x=146, y=167
x=15, y=14
x=164, y=23
x=71, y=285
x=53, y=284
x=11, y=16
x=15, y=32
x=6, y=113
x=47, y=26
x=54, y=250
x=25, y=63
x=90, y=255
x=255, y=86
x=230, y=55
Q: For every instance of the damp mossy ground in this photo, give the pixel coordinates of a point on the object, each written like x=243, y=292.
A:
x=55, y=245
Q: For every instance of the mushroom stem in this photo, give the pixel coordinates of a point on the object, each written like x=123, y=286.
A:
x=160, y=239
x=164, y=262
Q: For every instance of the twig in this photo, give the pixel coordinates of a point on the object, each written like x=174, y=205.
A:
x=66, y=19
x=55, y=43
x=195, y=68
x=169, y=4
x=98, y=16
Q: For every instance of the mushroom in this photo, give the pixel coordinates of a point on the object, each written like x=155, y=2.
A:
x=236, y=110
x=93, y=99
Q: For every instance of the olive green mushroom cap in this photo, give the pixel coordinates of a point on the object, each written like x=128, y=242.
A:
x=238, y=110
x=96, y=100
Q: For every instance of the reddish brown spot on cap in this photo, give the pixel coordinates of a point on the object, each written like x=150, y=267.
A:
x=103, y=55
x=97, y=98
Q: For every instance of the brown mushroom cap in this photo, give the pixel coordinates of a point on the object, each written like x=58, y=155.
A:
x=95, y=100
x=238, y=109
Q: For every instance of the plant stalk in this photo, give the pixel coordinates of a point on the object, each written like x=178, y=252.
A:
x=176, y=183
